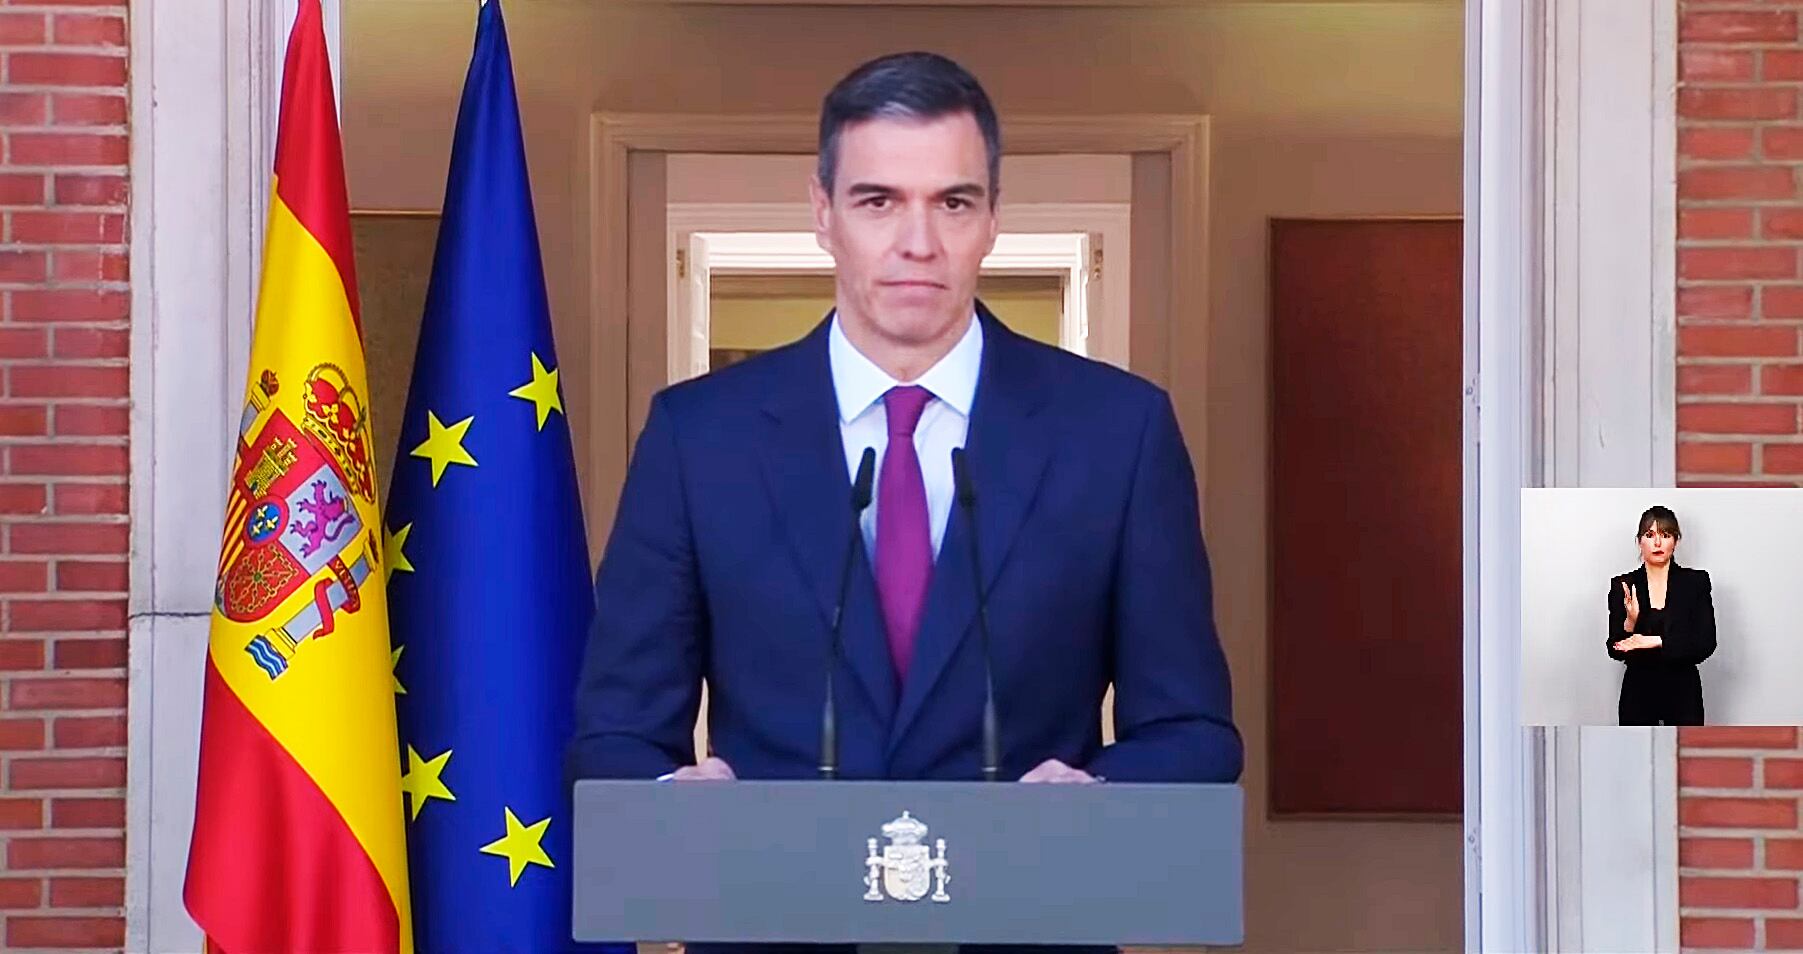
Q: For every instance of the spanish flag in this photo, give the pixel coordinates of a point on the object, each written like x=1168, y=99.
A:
x=299, y=838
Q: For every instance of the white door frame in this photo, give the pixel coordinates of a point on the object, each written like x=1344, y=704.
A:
x=699, y=255
x=1609, y=419
x=196, y=234
x=1501, y=263
x=1109, y=259
x=1570, y=230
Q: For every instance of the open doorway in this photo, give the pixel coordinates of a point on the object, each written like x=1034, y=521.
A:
x=1313, y=110
x=1060, y=269
x=734, y=294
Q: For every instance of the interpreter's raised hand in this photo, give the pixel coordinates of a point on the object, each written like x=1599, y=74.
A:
x=712, y=769
x=1052, y=770
x=1631, y=603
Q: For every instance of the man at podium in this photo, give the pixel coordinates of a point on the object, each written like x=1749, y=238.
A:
x=795, y=531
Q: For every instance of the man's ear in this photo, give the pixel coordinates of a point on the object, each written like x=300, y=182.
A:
x=995, y=229
x=822, y=204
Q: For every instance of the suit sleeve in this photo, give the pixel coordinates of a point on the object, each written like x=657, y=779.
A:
x=1692, y=640
x=1618, y=614
x=640, y=686
x=1173, y=706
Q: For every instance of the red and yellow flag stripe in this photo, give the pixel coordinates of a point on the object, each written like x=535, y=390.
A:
x=299, y=838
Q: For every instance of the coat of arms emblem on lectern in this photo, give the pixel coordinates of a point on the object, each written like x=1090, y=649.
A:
x=905, y=866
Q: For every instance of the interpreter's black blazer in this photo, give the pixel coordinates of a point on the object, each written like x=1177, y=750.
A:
x=1689, y=616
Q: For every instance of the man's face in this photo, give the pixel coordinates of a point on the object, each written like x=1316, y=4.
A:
x=908, y=224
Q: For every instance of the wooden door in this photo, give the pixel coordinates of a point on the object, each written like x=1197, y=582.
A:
x=1366, y=527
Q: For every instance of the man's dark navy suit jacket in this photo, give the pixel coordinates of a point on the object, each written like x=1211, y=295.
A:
x=725, y=559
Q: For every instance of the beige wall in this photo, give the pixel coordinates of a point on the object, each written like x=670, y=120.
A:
x=747, y=323
x=1317, y=109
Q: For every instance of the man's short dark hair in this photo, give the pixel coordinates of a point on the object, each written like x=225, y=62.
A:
x=921, y=86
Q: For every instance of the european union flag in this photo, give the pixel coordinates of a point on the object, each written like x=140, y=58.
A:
x=486, y=557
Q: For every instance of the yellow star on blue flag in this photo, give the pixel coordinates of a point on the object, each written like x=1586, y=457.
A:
x=541, y=391
x=521, y=846
x=422, y=782
x=443, y=445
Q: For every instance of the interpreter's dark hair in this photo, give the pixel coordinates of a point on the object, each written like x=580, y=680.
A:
x=1660, y=517
x=921, y=86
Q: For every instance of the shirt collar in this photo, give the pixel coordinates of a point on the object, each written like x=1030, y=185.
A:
x=859, y=383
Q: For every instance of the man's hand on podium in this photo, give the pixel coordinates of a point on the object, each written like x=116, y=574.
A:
x=713, y=768
x=1052, y=770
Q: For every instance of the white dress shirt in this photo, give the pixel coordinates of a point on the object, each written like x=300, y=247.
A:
x=863, y=420
x=860, y=385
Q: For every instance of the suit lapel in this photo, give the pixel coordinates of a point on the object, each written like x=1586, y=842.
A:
x=1006, y=447
x=1677, y=590
x=1643, y=589
x=804, y=468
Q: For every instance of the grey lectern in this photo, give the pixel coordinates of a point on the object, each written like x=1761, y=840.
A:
x=934, y=863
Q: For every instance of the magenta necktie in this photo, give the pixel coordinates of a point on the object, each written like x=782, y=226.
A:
x=904, y=546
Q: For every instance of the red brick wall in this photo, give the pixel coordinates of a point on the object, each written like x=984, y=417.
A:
x=63, y=469
x=1740, y=853
x=1740, y=397
x=1740, y=231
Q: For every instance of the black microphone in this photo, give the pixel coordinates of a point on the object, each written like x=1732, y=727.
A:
x=967, y=498
x=829, y=720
